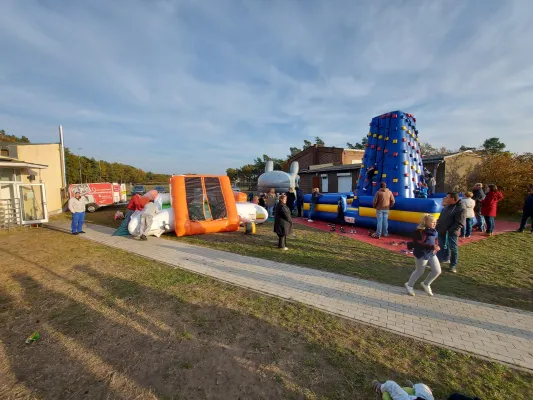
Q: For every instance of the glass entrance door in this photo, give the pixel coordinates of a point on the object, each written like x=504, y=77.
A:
x=33, y=204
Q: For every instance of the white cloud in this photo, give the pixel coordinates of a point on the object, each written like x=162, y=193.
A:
x=181, y=86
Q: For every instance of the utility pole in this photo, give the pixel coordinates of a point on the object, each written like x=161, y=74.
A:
x=79, y=163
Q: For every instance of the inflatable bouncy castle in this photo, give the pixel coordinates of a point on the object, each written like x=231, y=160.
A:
x=197, y=204
x=279, y=180
x=393, y=156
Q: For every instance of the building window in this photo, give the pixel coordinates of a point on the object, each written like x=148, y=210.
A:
x=4, y=152
x=6, y=174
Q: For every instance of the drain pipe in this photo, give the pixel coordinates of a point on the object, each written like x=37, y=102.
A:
x=63, y=161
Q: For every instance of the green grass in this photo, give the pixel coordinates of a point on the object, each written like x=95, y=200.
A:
x=496, y=270
x=115, y=325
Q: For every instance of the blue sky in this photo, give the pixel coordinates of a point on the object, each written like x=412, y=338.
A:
x=200, y=86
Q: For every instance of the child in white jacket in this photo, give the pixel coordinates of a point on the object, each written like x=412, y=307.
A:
x=419, y=391
x=470, y=204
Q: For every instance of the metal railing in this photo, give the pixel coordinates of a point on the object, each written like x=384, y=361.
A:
x=9, y=213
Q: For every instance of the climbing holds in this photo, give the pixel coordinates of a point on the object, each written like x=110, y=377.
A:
x=395, y=141
x=404, y=128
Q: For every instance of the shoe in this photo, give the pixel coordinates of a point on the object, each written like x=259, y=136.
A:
x=520, y=231
x=467, y=236
x=81, y=232
x=410, y=290
x=453, y=270
x=426, y=288
x=445, y=261
x=377, y=387
x=409, y=383
x=74, y=233
x=309, y=220
x=143, y=237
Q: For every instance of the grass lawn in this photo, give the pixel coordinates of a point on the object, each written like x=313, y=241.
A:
x=114, y=325
x=496, y=270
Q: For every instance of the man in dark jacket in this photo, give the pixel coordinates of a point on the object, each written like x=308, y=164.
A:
x=528, y=210
x=478, y=197
x=452, y=219
x=282, y=222
x=314, y=201
x=299, y=201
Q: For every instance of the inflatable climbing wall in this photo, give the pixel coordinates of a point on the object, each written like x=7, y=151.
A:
x=393, y=151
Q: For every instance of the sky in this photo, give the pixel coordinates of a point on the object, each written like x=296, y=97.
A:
x=176, y=86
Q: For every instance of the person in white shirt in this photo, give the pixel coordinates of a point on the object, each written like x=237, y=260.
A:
x=76, y=206
x=149, y=211
x=419, y=391
x=470, y=205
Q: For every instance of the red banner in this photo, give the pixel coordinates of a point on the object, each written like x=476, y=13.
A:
x=98, y=193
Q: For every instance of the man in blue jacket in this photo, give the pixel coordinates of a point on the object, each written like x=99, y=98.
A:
x=528, y=210
x=451, y=221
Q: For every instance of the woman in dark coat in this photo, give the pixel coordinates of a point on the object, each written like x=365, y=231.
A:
x=291, y=199
x=282, y=222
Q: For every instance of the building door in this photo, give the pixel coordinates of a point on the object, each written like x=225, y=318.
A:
x=33, y=204
x=345, y=182
x=324, y=187
x=316, y=182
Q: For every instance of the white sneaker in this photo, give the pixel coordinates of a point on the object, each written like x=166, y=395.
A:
x=410, y=290
x=309, y=220
x=426, y=288
x=285, y=248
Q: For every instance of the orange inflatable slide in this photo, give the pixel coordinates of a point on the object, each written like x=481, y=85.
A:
x=203, y=204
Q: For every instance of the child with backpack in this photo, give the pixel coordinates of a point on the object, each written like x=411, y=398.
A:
x=425, y=248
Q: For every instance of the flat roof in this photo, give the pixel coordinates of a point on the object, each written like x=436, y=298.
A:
x=21, y=164
x=333, y=168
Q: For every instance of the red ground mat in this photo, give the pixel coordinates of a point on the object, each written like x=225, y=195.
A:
x=386, y=242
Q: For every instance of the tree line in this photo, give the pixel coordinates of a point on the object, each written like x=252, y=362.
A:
x=81, y=169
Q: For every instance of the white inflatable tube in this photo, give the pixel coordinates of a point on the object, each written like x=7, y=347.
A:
x=162, y=222
x=249, y=212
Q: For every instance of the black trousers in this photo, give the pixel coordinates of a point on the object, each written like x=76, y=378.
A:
x=525, y=216
x=282, y=242
x=299, y=210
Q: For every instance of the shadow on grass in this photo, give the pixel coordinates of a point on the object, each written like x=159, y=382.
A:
x=196, y=352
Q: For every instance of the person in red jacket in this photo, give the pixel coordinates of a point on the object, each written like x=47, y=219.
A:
x=489, y=207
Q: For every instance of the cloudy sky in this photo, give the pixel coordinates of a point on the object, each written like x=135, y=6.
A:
x=202, y=85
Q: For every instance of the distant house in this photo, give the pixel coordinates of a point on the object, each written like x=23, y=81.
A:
x=325, y=160
x=450, y=171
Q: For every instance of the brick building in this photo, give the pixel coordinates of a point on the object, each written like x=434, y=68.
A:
x=327, y=160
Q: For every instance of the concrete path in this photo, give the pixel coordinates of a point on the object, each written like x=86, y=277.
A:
x=490, y=331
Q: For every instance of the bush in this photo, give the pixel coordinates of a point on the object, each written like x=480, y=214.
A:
x=510, y=172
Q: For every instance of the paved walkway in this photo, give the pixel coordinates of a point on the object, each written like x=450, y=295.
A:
x=494, y=332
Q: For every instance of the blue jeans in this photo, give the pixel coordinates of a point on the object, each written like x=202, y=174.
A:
x=311, y=211
x=467, y=230
x=480, y=221
x=383, y=222
x=448, y=249
x=77, y=221
x=270, y=210
x=490, y=224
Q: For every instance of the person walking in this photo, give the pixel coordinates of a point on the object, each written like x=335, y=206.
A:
x=299, y=201
x=271, y=200
x=489, y=207
x=527, y=210
x=147, y=217
x=282, y=222
x=478, y=196
x=425, y=248
x=451, y=220
x=470, y=205
x=291, y=199
x=76, y=206
x=383, y=202
x=314, y=201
